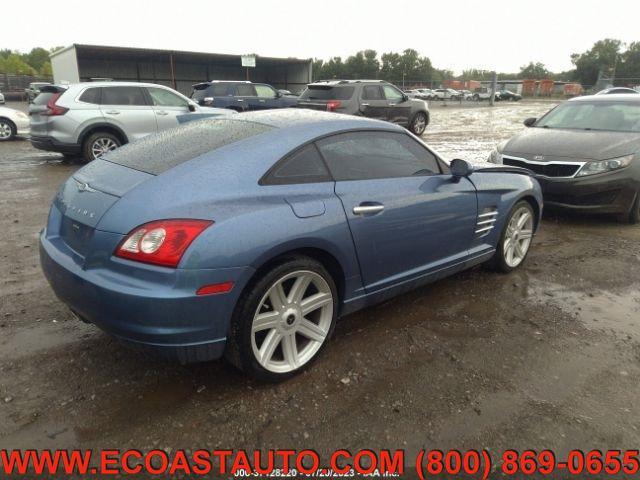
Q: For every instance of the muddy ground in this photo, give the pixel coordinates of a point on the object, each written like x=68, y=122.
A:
x=546, y=357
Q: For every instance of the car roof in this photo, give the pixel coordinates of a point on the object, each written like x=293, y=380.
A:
x=619, y=97
x=345, y=82
x=301, y=117
x=108, y=83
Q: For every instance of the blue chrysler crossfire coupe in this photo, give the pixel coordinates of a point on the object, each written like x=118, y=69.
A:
x=249, y=236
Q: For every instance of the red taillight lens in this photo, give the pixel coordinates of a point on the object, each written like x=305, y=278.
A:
x=333, y=105
x=162, y=242
x=53, y=109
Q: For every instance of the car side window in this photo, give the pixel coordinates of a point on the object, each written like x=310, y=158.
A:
x=372, y=92
x=302, y=166
x=372, y=155
x=265, y=91
x=91, y=95
x=219, y=90
x=245, y=90
x=392, y=93
x=165, y=98
x=123, y=96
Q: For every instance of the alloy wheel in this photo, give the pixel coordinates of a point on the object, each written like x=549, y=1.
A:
x=518, y=237
x=419, y=124
x=292, y=321
x=102, y=145
x=5, y=131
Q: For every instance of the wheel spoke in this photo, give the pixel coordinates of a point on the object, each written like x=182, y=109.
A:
x=311, y=330
x=290, y=350
x=525, y=234
x=507, y=244
x=519, y=250
x=299, y=288
x=277, y=297
x=271, y=342
x=315, y=302
x=266, y=320
x=523, y=219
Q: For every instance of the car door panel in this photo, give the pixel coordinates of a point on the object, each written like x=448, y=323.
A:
x=167, y=107
x=398, y=109
x=426, y=224
x=128, y=108
x=372, y=102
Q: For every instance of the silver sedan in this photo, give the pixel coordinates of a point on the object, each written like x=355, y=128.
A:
x=12, y=123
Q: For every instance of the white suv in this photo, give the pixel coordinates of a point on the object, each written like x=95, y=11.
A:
x=89, y=119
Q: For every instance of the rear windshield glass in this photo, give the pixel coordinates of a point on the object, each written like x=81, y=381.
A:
x=158, y=153
x=43, y=98
x=323, y=92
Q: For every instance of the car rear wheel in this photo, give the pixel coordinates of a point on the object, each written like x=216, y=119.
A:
x=7, y=130
x=284, y=320
x=516, y=238
x=419, y=123
x=99, y=143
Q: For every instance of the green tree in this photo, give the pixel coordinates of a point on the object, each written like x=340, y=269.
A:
x=37, y=57
x=603, y=56
x=13, y=63
x=534, y=71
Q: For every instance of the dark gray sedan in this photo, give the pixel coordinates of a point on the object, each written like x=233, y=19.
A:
x=585, y=153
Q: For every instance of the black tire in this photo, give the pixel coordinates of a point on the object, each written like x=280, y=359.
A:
x=419, y=123
x=5, y=123
x=634, y=215
x=87, y=151
x=476, y=97
x=498, y=262
x=239, y=351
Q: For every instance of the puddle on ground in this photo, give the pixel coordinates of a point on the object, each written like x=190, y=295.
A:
x=597, y=310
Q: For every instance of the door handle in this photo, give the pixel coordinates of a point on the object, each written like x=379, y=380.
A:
x=365, y=104
x=261, y=101
x=162, y=112
x=367, y=209
x=240, y=100
x=112, y=112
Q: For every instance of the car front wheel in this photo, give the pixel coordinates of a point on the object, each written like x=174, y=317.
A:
x=284, y=320
x=419, y=123
x=7, y=130
x=634, y=214
x=516, y=238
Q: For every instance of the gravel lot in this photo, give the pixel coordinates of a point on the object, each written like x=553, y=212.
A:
x=547, y=357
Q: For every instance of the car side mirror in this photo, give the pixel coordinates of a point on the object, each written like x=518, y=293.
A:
x=278, y=94
x=191, y=107
x=530, y=121
x=405, y=97
x=460, y=168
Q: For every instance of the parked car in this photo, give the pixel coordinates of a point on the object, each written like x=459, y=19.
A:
x=368, y=98
x=2, y=102
x=466, y=94
x=240, y=96
x=287, y=93
x=33, y=90
x=12, y=123
x=446, y=94
x=174, y=245
x=416, y=93
x=585, y=153
x=428, y=92
x=508, y=95
x=482, y=93
x=617, y=90
x=90, y=119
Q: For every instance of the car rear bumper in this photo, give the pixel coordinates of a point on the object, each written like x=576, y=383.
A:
x=50, y=144
x=168, y=319
x=612, y=192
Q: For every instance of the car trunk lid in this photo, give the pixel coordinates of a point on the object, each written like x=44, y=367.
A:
x=87, y=196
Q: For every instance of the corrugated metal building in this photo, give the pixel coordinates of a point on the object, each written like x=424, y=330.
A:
x=176, y=69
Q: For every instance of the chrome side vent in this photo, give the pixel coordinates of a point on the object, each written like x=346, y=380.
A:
x=486, y=221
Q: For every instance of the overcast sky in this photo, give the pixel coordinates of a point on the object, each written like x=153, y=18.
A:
x=457, y=35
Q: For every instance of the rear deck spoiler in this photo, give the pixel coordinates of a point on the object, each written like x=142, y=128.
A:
x=53, y=88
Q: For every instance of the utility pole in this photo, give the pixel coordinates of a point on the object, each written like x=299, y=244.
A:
x=494, y=87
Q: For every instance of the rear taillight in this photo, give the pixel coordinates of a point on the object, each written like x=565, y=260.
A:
x=333, y=105
x=162, y=242
x=53, y=109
